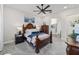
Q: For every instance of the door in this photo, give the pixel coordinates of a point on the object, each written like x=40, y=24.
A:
x=1, y=27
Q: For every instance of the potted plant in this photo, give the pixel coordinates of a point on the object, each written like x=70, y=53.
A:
x=73, y=35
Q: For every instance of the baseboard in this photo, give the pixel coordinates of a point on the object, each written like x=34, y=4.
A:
x=11, y=41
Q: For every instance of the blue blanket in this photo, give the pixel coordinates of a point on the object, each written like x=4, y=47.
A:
x=35, y=34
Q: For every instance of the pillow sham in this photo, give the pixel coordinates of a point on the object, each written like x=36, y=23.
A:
x=31, y=30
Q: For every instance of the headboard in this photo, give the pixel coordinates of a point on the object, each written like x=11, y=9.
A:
x=28, y=26
x=44, y=28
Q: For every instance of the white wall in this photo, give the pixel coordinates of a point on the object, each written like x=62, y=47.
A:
x=12, y=19
x=1, y=27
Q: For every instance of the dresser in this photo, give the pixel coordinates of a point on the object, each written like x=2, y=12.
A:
x=72, y=47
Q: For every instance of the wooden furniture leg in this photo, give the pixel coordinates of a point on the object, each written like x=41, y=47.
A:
x=51, y=37
x=37, y=44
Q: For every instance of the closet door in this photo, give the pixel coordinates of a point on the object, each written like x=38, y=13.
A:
x=1, y=27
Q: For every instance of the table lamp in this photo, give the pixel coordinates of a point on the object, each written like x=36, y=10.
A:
x=19, y=28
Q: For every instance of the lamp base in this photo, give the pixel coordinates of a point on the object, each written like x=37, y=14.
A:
x=19, y=32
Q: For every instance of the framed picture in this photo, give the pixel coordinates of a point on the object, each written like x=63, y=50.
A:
x=30, y=20
x=26, y=19
x=33, y=20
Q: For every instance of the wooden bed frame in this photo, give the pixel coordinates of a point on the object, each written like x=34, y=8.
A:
x=39, y=43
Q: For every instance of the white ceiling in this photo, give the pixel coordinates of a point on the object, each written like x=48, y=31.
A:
x=56, y=8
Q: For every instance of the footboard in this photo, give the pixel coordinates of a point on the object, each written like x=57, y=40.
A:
x=42, y=43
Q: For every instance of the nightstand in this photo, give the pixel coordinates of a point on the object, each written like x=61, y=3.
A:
x=19, y=38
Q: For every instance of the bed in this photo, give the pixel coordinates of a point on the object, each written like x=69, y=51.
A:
x=37, y=38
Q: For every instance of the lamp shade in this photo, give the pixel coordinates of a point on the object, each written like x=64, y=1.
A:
x=19, y=28
x=38, y=27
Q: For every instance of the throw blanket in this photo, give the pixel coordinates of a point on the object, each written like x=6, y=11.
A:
x=35, y=34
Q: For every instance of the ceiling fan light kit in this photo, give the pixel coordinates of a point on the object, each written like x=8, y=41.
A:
x=43, y=9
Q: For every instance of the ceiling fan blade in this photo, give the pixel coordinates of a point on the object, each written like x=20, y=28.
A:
x=39, y=12
x=35, y=10
x=49, y=11
x=42, y=12
x=38, y=7
x=46, y=7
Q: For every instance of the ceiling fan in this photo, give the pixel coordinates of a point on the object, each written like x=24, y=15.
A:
x=43, y=9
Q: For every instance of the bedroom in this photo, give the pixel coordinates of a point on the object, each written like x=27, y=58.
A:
x=15, y=15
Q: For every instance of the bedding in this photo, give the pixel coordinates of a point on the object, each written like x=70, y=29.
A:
x=29, y=31
x=32, y=38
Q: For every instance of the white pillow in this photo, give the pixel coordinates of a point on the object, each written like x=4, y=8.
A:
x=34, y=30
x=27, y=32
x=31, y=30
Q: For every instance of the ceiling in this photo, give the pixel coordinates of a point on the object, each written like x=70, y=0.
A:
x=56, y=8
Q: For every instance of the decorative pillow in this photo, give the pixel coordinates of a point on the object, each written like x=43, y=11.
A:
x=34, y=30
x=27, y=32
x=31, y=30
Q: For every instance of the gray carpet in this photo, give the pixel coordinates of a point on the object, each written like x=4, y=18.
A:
x=58, y=47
